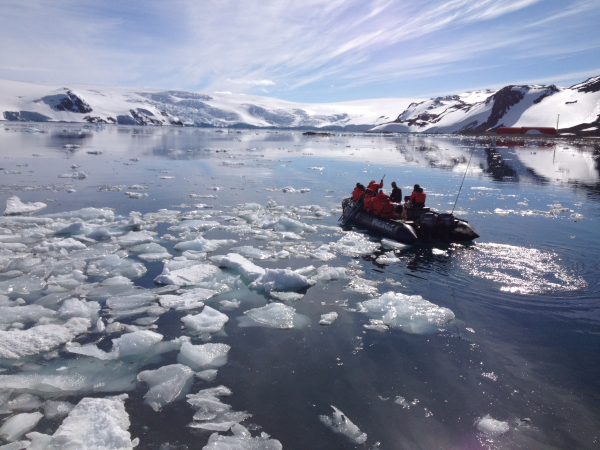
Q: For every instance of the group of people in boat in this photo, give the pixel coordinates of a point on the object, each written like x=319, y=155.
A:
x=377, y=202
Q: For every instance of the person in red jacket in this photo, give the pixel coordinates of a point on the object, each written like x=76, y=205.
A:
x=358, y=192
x=382, y=206
x=417, y=198
x=416, y=201
x=370, y=194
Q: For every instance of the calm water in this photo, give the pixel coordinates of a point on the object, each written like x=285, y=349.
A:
x=524, y=347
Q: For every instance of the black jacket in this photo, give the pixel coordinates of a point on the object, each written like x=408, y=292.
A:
x=396, y=195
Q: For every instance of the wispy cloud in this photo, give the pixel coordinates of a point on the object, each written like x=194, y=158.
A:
x=289, y=47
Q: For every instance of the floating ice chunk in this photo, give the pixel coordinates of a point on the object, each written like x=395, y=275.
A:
x=54, y=409
x=22, y=402
x=287, y=224
x=116, y=281
x=411, y=313
x=491, y=426
x=252, y=252
x=194, y=225
x=207, y=375
x=286, y=296
x=326, y=273
x=17, y=426
x=246, y=268
x=24, y=314
x=15, y=344
x=211, y=413
x=281, y=280
x=136, y=195
x=339, y=423
x=75, y=228
x=322, y=253
x=95, y=423
x=73, y=307
x=14, y=207
x=112, y=265
x=208, y=321
x=355, y=244
x=187, y=276
x=328, y=319
x=229, y=304
x=203, y=357
x=96, y=251
x=136, y=238
x=131, y=301
x=388, y=258
x=190, y=299
x=134, y=343
x=203, y=245
x=577, y=216
x=151, y=247
x=85, y=214
x=362, y=286
x=75, y=175
x=24, y=284
x=438, y=252
x=167, y=384
x=275, y=315
x=241, y=440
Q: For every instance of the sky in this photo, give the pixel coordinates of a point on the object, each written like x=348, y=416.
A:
x=305, y=51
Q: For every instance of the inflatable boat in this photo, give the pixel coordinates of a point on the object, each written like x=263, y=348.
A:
x=424, y=224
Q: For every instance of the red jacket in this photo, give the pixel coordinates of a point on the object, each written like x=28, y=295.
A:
x=382, y=205
x=418, y=198
x=357, y=193
x=375, y=186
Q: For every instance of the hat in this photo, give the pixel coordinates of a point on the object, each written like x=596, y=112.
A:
x=394, y=183
x=417, y=187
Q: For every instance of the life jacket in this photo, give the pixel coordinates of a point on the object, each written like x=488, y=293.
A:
x=357, y=193
x=374, y=186
x=418, y=199
x=382, y=206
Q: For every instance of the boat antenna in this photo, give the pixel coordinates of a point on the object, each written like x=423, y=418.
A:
x=463, y=180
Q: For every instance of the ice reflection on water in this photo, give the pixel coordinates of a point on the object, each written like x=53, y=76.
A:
x=502, y=356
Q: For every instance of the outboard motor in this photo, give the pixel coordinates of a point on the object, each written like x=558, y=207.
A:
x=445, y=224
x=427, y=223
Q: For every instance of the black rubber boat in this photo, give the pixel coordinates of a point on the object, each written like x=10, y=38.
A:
x=424, y=224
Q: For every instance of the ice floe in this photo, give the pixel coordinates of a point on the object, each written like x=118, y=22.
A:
x=274, y=315
x=281, y=280
x=19, y=424
x=328, y=319
x=211, y=413
x=339, y=423
x=187, y=276
x=203, y=357
x=208, y=321
x=167, y=384
x=490, y=426
x=189, y=298
x=94, y=423
x=14, y=207
x=242, y=440
x=410, y=313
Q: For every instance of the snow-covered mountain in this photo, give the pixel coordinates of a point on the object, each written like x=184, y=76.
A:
x=478, y=111
x=511, y=106
x=135, y=106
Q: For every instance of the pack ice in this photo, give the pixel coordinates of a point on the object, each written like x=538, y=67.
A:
x=15, y=207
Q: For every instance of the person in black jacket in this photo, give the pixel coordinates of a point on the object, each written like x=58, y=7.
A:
x=396, y=197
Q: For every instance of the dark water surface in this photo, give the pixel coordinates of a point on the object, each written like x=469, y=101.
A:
x=524, y=347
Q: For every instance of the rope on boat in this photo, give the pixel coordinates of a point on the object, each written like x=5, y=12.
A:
x=463, y=180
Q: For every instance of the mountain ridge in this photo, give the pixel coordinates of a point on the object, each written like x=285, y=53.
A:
x=469, y=112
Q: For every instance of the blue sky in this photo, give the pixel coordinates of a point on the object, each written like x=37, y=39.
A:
x=308, y=51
